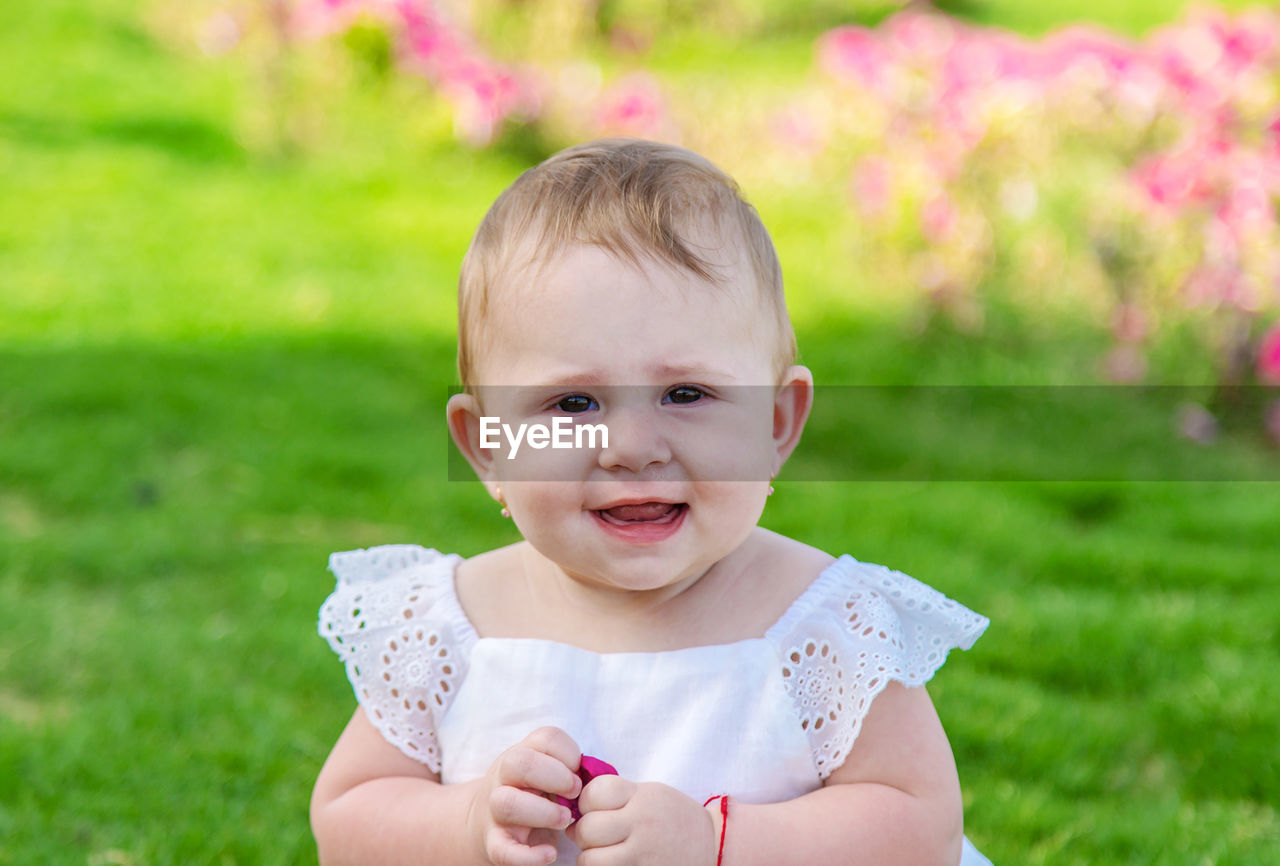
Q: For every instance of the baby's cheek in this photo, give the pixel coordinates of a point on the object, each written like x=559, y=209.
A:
x=729, y=450
x=549, y=464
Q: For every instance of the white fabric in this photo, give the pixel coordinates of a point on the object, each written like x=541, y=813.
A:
x=763, y=719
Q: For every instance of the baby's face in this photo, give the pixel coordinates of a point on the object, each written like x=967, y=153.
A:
x=683, y=376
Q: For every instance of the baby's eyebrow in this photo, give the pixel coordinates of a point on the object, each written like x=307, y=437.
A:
x=662, y=372
x=693, y=371
x=574, y=380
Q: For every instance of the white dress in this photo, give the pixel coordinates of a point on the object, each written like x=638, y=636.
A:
x=763, y=719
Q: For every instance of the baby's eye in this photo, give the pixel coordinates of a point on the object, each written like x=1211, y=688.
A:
x=577, y=403
x=684, y=394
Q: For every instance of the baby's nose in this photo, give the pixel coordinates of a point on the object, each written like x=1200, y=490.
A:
x=636, y=440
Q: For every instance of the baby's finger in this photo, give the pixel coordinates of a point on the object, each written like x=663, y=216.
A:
x=506, y=851
x=553, y=741
x=526, y=767
x=599, y=830
x=606, y=792
x=510, y=805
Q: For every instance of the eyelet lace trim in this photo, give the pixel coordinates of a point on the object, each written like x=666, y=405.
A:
x=405, y=666
x=876, y=625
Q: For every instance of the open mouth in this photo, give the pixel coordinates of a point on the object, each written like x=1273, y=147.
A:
x=642, y=512
x=642, y=521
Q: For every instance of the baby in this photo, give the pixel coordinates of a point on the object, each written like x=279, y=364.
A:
x=761, y=701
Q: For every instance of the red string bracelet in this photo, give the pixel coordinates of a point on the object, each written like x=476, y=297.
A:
x=724, y=821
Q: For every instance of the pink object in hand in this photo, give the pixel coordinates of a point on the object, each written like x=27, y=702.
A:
x=588, y=769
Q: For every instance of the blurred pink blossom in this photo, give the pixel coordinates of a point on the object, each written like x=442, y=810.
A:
x=921, y=35
x=483, y=92
x=1129, y=323
x=872, y=185
x=313, y=19
x=1090, y=53
x=1269, y=356
x=1208, y=284
x=1272, y=132
x=1247, y=40
x=960, y=121
x=1174, y=179
x=854, y=54
x=1244, y=209
x=800, y=131
x=1125, y=364
x=982, y=58
x=938, y=217
x=634, y=105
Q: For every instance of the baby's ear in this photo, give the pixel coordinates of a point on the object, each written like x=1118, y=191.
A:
x=463, y=415
x=791, y=404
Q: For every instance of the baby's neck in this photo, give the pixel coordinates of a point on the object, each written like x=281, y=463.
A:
x=667, y=617
x=514, y=593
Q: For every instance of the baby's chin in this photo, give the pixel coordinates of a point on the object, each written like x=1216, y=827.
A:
x=634, y=571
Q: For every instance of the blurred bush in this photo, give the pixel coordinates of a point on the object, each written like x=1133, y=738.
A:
x=1130, y=184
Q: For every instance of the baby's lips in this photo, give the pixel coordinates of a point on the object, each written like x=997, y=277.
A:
x=588, y=769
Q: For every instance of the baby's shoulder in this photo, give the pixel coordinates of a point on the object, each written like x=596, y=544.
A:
x=395, y=623
x=782, y=552
x=790, y=565
x=389, y=587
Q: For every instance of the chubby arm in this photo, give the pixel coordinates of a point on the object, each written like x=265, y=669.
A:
x=375, y=806
x=896, y=799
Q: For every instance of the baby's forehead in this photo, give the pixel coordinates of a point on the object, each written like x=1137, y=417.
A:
x=585, y=286
x=716, y=254
x=535, y=277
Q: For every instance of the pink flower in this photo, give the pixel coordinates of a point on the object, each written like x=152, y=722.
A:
x=1273, y=138
x=483, y=92
x=1087, y=50
x=938, y=217
x=800, y=131
x=963, y=118
x=1210, y=284
x=981, y=58
x=1269, y=356
x=871, y=186
x=1192, y=59
x=1249, y=39
x=1129, y=323
x=633, y=106
x=1246, y=208
x=854, y=54
x=1125, y=364
x=923, y=35
x=1174, y=180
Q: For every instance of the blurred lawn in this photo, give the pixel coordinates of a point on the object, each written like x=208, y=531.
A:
x=218, y=365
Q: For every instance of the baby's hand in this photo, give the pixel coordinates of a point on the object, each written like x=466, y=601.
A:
x=510, y=819
x=625, y=823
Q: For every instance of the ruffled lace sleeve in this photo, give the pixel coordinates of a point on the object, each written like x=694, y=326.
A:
x=858, y=627
x=394, y=621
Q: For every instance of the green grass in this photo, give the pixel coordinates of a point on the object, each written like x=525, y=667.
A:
x=219, y=363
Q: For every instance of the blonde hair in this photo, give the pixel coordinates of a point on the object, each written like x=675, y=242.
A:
x=636, y=199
